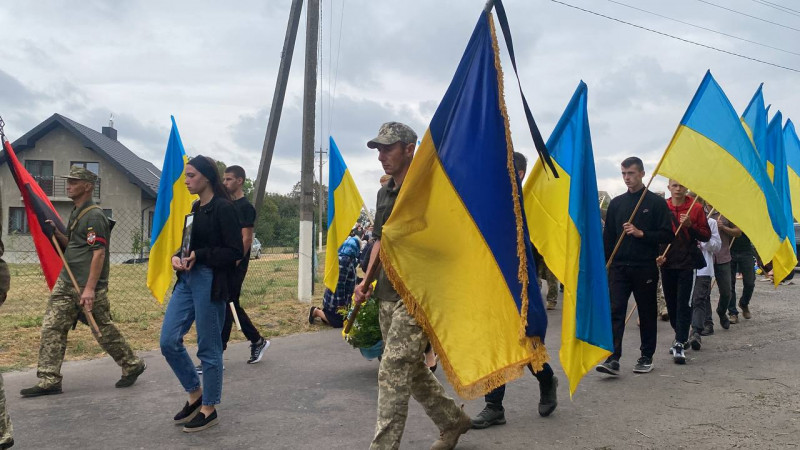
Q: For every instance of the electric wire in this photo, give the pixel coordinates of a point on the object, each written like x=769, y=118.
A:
x=778, y=7
x=676, y=37
x=704, y=28
x=749, y=15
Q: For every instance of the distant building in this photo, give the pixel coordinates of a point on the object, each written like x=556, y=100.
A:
x=126, y=187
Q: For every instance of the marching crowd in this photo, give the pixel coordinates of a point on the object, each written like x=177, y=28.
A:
x=681, y=244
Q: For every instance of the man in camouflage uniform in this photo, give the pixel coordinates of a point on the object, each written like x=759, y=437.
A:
x=402, y=372
x=86, y=251
x=6, y=430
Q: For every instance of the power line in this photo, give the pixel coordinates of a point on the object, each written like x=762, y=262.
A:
x=778, y=7
x=703, y=28
x=748, y=15
x=676, y=37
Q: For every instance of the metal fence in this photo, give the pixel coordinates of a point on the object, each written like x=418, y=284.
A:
x=272, y=275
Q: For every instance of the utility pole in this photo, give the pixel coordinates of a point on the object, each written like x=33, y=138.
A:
x=319, y=225
x=305, y=271
x=277, y=103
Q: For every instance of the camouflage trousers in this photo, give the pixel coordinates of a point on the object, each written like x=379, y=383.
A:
x=403, y=374
x=552, y=283
x=662, y=303
x=6, y=430
x=62, y=311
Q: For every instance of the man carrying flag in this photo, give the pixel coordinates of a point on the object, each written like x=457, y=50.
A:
x=402, y=370
x=85, y=247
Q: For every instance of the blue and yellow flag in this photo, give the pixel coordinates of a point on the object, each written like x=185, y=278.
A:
x=754, y=121
x=776, y=168
x=172, y=204
x=712, y=155
x=456, y=246
x=569, y=236
x=344, y=209
x=792, y=146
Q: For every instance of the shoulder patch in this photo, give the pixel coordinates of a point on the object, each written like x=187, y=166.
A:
x=91, y=237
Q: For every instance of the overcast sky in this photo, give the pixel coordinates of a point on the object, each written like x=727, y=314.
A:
x=214, y=64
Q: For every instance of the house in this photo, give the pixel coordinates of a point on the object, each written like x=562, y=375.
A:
x=126, y=188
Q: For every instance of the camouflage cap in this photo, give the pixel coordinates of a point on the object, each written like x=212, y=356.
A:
x=81, y=173
x=392, y=132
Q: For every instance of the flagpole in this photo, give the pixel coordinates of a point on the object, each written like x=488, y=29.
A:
x=86, y=312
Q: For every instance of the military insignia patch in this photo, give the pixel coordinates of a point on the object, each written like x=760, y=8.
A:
x=91, y=237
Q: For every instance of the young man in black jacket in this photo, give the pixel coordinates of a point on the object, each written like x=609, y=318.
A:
x=633, y=269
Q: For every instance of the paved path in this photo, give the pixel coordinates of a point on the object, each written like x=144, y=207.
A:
x=312, y=391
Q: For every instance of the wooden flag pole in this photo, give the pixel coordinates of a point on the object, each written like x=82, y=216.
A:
x=630, y=219
x=86, y=312
x=235, y=316
x=630, y=314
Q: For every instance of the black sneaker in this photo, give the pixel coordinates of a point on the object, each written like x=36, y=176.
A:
x=201, y=422
x=548, y=399
x=724, y=322
x=188, y=412
x=38, y=391
x=129, y=379
x=610, y=367
x=707, y=330
x=678, y=355
x=491, y=415
x=695, y=341
x=643, y=365
x=257, y=350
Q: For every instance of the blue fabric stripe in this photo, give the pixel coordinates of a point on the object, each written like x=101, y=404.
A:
x=777, y=156
x=755, y=116
x=571, y=146
x=336, y=169
x=712, y=115
x=792, y=147
x=170, y=172
x=468, y=132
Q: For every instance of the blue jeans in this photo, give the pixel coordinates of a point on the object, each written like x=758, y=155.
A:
x=191, y=302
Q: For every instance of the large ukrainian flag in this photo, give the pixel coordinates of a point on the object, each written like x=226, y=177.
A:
x=456, y=246
x=792, y=146
x=712, y=155
x=568, y=235
x=776, y=168
x=754, y=121
x=344, y=209
x=172, y=204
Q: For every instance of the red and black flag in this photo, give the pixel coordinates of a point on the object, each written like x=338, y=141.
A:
x=38, y=209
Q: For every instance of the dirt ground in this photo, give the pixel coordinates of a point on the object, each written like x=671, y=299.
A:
x=313, y=391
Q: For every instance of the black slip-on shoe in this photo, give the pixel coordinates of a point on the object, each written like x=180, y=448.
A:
x=201, y=422
x=188, y=412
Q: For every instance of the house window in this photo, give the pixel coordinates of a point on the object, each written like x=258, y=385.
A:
x=93, y=167
x=150, y=224
x=42, y=172
x=109, y=214
x=17, y=221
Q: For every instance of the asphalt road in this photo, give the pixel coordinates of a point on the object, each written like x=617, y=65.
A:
x=313, y=391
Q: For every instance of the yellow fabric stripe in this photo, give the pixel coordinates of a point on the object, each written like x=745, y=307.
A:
x=794, y=189
x=771, y=171
x=559, y=243
x=452, y=283
x=159, y=269
x=710, y=171
x=347, y=210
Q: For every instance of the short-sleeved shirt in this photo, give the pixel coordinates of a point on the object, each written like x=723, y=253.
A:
x=387, y=195
x=247, y=219
x=85, y=235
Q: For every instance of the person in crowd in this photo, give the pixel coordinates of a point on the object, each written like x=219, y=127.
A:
x=402, y=371
x=6, y=429
x=678, y=262
x=743, y=258
x=494, y=412
x=701, y=294
x=333, y=301
x=233, y=180
x=206, y=283
x=633, y=268
x=722, y=274
x=86, y=252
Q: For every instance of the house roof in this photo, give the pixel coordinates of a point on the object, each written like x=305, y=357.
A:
x=140, y=172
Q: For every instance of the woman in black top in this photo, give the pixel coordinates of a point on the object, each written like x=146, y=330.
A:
x=201, y=293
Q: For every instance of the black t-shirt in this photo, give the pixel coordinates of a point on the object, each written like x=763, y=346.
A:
x=247, y=219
